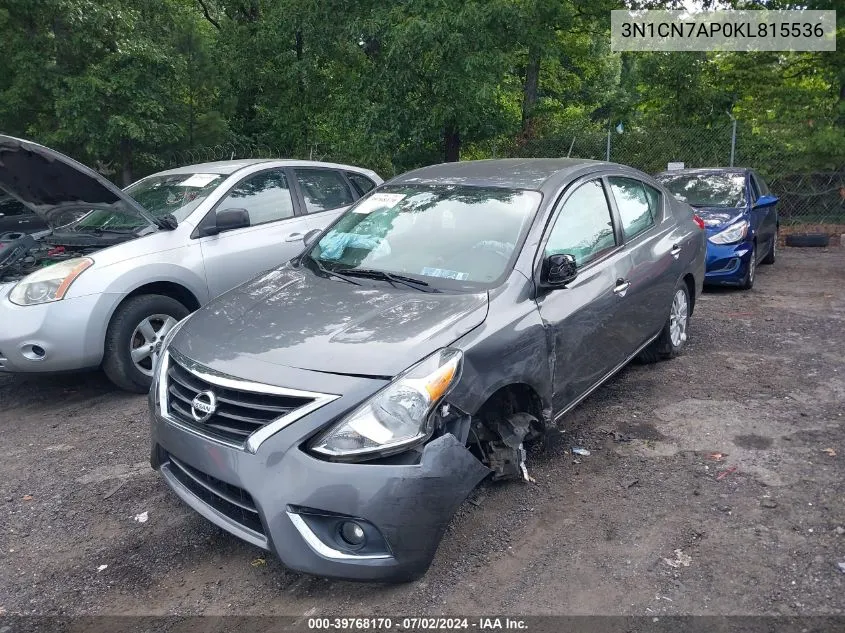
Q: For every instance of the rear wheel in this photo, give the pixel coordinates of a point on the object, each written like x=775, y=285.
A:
x=673, y=336
x=747, y=282
x=134, y=336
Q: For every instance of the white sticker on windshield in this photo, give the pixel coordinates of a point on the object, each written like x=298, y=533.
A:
x=379, y=201
x=443, y=273
x=199, y=180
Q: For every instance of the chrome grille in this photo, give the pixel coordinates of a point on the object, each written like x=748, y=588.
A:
x=239, y=412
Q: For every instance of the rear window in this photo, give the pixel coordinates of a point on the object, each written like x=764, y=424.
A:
x=361, y=183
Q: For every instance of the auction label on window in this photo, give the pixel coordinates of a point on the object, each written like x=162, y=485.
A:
x=757, y=30
x=379, y=201
x=199, y=180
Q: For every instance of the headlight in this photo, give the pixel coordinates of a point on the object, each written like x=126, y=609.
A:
x=734, y=233
x=50, y=283
x=396, y=417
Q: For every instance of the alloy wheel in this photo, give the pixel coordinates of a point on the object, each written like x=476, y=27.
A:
x=145, y=343
x=678, y=318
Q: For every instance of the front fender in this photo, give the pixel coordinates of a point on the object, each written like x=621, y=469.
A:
x=510, y=347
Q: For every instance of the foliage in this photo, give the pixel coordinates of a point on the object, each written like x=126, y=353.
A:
x=126, y=84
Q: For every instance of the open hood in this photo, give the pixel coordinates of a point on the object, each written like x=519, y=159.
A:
x=55, y=186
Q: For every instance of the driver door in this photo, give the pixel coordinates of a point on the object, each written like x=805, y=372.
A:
x=584, y=316
x=274, y=234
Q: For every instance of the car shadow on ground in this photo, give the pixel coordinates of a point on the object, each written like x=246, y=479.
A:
x=27, y=389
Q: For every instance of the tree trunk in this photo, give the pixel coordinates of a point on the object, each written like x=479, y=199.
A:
x=529, y=90
x=452, y=142
x=126, y=162
x=300, y=81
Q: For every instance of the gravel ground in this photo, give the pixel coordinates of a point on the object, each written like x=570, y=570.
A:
x=714, y=486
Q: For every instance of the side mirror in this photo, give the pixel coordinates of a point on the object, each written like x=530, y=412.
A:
x=558, y=270
x=765, y=201
x=310, y=237
x=225, y=220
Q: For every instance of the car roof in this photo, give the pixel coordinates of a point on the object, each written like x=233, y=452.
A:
x=706, y=170
x=228, y=167
x=511, y=173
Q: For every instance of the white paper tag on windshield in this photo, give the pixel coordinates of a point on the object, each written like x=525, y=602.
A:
x=379, y=201
x=199, y=180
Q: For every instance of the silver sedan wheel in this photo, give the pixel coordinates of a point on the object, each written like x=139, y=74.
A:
x=145, y=343
x=678, y=318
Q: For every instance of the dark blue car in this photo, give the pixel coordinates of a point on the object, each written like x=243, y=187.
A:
x=740, y=217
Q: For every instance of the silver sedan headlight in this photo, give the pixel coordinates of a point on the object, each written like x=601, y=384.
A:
x=396, y=417
x=734, y=233
x=50, y=283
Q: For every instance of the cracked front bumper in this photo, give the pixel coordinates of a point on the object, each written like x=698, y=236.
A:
x=727, y=263
x=281, y=497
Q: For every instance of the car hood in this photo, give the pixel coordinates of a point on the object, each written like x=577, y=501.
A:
x=53, y=185
x=293, y=317
x=719, y=217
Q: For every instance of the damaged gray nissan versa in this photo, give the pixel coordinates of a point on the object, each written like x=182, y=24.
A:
x=336, y=410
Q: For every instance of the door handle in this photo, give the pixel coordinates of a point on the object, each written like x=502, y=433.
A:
x=621, y=288
x=294, y=237
x=676, y=251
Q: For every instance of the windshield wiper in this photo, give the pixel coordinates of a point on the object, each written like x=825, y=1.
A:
x=99, y=229
x=331, y=273
x=417, y=284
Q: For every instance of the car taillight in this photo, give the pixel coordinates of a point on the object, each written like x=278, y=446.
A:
x=698, y=220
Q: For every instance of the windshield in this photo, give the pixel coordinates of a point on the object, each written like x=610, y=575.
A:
x=447, y=235
x=707, y=190
x=177, y=195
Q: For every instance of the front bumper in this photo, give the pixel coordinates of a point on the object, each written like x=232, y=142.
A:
x=727, y=263
x=70, y=333
x=281, y=498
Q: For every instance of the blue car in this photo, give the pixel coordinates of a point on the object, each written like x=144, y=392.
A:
x=739, y=214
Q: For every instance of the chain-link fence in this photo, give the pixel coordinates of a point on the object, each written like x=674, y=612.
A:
x=809, y=181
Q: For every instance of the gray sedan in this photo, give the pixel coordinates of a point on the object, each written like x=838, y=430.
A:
x=338, y=409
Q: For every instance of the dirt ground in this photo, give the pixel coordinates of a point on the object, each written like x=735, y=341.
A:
x=649, y=523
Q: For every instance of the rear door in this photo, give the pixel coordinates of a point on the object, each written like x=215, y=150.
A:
x=584, y=316
x=274, y=235
x=654, y=264
x=324, y=194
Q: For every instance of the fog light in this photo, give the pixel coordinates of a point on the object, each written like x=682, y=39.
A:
x=352, y=533
x=31, y=351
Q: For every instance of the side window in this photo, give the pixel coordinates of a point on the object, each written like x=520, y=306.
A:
x=360, y=182
x=323, y=189
x=655, y=202
x=762, y=187
x=755, y=190
x=584, y=228
x=635, y=209
x=265, y=196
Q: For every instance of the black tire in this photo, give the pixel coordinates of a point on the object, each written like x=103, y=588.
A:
x=663, y=347
x=747, y=282
x=817, y=240
x=117, y=361
x=770, y=257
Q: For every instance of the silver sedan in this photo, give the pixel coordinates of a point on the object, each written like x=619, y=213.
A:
x=104, y=289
